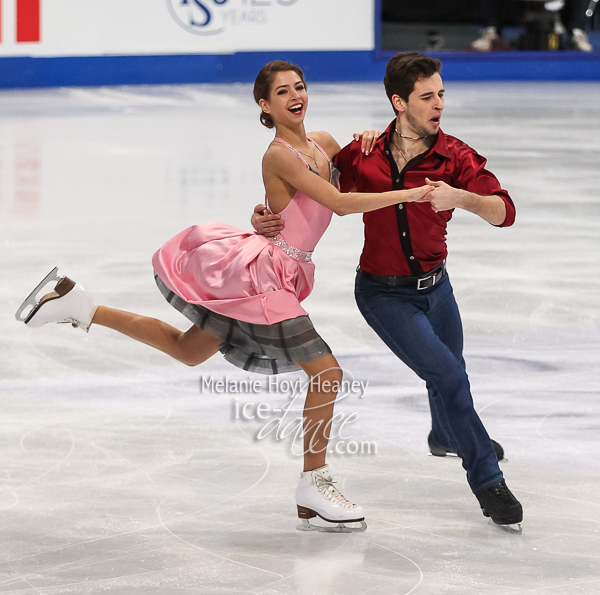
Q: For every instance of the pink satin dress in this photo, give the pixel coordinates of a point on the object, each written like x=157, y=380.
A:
x=244, y=277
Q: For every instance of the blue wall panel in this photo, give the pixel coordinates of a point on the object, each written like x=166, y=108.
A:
x=319, y=66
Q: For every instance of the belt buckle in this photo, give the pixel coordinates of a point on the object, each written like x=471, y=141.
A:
x=419, y=287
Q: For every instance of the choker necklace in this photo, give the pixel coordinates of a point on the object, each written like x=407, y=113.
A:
x=409, y=137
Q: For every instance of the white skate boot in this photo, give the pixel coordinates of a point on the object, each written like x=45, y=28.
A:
x=68, y=302
x=316, y=496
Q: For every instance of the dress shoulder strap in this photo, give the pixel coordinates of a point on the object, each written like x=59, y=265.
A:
x=286, y=144
x=314, y=142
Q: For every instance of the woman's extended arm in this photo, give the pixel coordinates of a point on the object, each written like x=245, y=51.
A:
x=279, y=162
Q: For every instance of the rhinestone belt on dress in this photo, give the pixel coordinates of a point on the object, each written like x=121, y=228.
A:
x=290, y=250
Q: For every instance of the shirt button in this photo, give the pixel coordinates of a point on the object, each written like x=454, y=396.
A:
x=404, y=234
x=387, y=152
x=400, y=207
x=397, y=180
x=412, y=257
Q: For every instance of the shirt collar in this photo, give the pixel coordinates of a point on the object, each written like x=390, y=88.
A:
x=440, y=146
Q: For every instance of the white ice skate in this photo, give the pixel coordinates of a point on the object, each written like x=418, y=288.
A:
x=68, y=302
x=316, y=496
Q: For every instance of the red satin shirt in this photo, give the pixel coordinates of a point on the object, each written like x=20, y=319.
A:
x=449, y=160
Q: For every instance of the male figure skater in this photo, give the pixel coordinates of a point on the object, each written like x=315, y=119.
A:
x=402, y=288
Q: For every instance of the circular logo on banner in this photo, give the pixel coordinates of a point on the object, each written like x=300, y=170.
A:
x=209, y=17
x=198, y=16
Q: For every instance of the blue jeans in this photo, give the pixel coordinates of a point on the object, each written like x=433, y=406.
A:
x=423, y=328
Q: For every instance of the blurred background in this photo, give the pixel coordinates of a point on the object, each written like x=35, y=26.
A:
x=490, y=25
x=64, y=42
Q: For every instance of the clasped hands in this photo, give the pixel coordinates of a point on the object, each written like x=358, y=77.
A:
x=443, y=197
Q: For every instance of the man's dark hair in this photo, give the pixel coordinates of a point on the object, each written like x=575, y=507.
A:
x=404, y=70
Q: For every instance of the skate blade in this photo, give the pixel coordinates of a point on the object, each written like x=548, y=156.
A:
x=514, y=529
x=339, y=528
x=23, y=316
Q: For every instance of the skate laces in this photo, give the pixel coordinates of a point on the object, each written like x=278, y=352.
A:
x=327, y=489
x=502, y=494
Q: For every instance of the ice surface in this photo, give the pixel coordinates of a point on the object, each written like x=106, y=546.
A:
x=121, y=475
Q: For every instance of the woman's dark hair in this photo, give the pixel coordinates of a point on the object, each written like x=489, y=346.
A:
x=404, y=70
x=264, y=81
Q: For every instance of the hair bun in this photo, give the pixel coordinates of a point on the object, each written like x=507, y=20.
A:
x=266, y=120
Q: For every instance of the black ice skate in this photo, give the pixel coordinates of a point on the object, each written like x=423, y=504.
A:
x=503, y=509
x=437, y=450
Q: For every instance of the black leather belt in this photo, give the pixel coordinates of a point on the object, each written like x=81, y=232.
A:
x=423, y=282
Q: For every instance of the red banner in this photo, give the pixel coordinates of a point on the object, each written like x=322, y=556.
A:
x=28, y=20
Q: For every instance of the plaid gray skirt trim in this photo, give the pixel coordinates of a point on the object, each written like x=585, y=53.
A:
x=262, y=348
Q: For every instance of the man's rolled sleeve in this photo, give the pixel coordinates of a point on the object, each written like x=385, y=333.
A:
x=475, y=178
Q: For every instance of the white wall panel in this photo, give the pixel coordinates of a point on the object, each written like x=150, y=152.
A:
x=130, y=27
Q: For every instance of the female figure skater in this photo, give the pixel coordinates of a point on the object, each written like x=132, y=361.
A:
x=242, y=291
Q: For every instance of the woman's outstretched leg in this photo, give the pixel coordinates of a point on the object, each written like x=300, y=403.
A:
x=191, y=347
x=69, y=302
